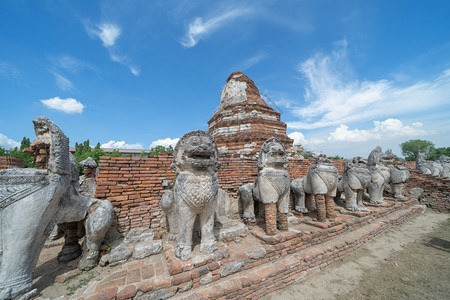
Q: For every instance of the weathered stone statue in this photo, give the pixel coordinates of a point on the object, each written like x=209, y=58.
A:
x=355, y=179
x=321, y=181
x=425, y=166
x=271, y=187
x=195, y=161
x=32, y=201
x=398, y=175
x=380, y=175
x=445, y=162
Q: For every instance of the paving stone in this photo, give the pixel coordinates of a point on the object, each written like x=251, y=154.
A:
x=232, y=267
x=143, y=250
x=127, y=292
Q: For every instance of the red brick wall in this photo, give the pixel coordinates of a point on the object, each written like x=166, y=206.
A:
x=7, y=162
x=436, y=192
x=134, y=185
x=409, y=164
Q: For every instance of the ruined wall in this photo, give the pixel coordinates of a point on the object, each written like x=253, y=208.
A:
x=436, y=194
x=7, y=162
x=135, y=185
x=409, y=164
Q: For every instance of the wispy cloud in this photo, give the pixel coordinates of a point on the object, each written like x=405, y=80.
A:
x=109, y=33
x=120, y=145
x=165, y=142
x=8, y=70
x=70, y=64
x=68, y=105
x=334, y=98
x=201, y=29
x=7, y=143
x=250, y=62
x=124, y=60
x=62, y=82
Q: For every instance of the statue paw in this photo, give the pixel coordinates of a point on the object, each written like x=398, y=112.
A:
x=249, y=219
x=183, y=252
x=363, y=209
x=208, y=246
x=302, y=210
x=172, y=237
x=353, y=208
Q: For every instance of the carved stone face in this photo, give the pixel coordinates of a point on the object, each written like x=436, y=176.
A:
x=196, y=150
x=272, y=154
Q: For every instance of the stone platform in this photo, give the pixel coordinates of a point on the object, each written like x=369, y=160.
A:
x=250, y=267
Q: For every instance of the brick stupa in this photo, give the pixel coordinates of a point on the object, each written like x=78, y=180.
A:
x=243, y=121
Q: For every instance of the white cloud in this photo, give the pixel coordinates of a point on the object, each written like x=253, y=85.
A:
x=334, y=98
x=63, y=83
x=199, y=29
x=121, y=145
x=68, y=105
x=388, y=129
x=107, y=32
x=298, y=137
x=164, y=142
x=7, y=143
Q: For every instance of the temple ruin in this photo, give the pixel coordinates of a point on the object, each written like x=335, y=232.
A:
x=243, y=121
x=237, y=246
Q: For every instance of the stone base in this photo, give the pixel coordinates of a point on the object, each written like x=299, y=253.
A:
x=230, y=231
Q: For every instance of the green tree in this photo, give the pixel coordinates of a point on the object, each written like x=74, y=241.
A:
x=411, y=148
x=438, y=152
x=25, y=143
x=25, y=157
x=161, y=149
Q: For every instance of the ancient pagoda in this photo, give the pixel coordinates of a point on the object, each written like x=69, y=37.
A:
x=243, y=120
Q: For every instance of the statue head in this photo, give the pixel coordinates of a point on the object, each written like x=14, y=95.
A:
x=375, y=156
x=421, y=157
x=272, y=154
x=196, y=150
x=52, y=137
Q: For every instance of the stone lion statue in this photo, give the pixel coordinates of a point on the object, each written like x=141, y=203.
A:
x=425, y=166
x=271, y=187
x=321, y=182
x=195, y=161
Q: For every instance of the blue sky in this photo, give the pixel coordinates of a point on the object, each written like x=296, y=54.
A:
x=346, y=76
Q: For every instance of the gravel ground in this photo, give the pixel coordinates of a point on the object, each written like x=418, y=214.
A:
x=411, y=261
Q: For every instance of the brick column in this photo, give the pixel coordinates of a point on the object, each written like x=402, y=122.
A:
x=321, y=208
x=270, y=212
x=329, y=203
x=282, y=221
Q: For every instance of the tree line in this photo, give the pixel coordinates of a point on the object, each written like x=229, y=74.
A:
x=82, y=151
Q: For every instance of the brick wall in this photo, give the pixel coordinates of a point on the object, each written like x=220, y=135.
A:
x=409, y=164
x=7, y=162
x=135, y=185
x=436, y=194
